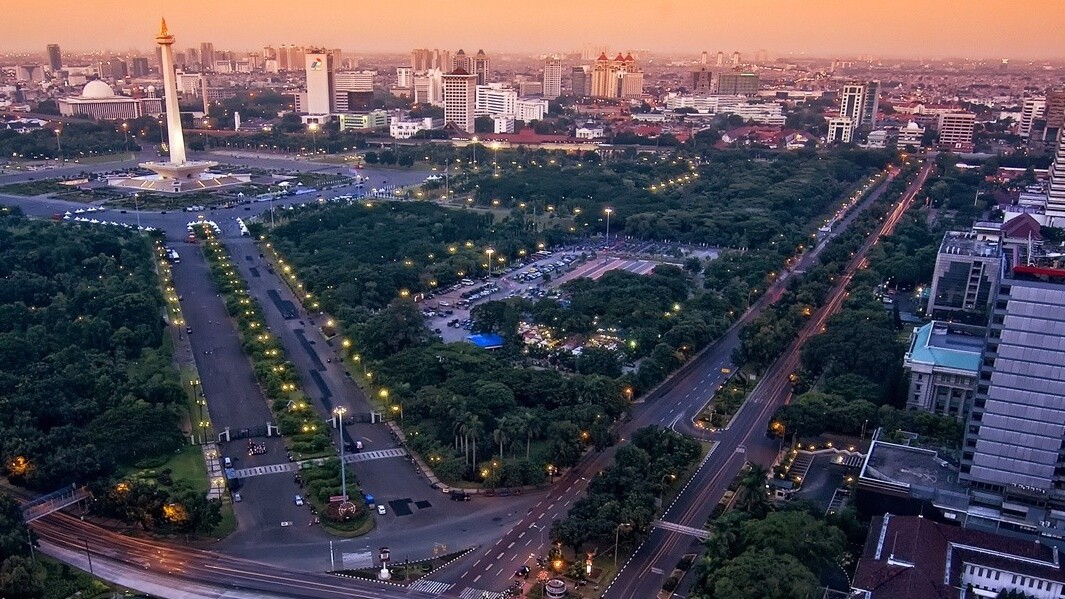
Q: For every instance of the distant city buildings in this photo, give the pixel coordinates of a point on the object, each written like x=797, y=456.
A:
x=738, y=83
x=481, y=67
x=1031, y=110
x=840, y=130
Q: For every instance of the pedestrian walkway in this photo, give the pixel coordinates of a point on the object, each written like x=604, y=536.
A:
x=350, y=458
x=425, y=585
x=701, y=533
x=214, y=470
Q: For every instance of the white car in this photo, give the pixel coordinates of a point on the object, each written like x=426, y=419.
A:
x=299, y=500
x=381, y=510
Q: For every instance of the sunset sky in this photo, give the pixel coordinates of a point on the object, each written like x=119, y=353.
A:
x=1016, y=29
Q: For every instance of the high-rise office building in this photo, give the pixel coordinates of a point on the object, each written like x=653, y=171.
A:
x=870, y=103
x=207, y=56
x=138, y=66
x=840, y=130
x=705, y=60
x=738, y=83
x=352, y=90
x=320, y=93
x=192, y=58
x=481, y=67
x=701, y=81
x=552, y=77
x=578, y=82
x=423, y=59
x=956, y=131
x=1031, y=110
x=1013, y=442
x=495, y=99
x=720, y=62
x=460, y=98
x=1054, y=115
x=404, y=76
x=860, y=102
x=55, y=58
x=462, y=62
x=965, y=275
x=736, y=58
x=1055, y=206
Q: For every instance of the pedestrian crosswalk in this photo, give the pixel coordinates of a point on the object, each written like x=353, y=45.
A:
x=395, y=452
x=425, y=585
x=472, y=593
x=261, y=470
x=350, y=458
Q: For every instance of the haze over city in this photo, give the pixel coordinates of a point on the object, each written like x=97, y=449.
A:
x=1026, y=29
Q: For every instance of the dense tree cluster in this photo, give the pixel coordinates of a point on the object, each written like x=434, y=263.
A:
x=624, y=495
x=358, y=258
x=781, y=555
x=87, y=381
x=476, y=416
x=732, y=200
x=76, y=139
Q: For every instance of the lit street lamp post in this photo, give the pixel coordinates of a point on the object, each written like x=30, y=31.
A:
x=313, y=128
x=339, y=412
x=490, y=251
x=608, y=213
x=617, y=533
x=58, y=144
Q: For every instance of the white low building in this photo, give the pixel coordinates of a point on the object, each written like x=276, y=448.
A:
x=408, y=128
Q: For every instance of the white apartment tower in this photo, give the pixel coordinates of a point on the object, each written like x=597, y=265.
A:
x=460, y=97
x=1032, y=109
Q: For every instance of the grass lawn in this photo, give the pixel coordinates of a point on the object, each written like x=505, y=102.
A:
x=154, y=201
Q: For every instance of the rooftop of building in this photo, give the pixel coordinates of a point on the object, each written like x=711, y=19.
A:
x=913, y=557
x=947, y=345
x=910, y=467
x=964, y=243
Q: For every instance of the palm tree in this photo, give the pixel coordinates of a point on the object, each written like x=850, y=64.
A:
x=500, y=436
x=756, y=498
x=534, y=427
x=474, y=426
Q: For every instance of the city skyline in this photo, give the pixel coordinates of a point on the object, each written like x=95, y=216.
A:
x=907, y=29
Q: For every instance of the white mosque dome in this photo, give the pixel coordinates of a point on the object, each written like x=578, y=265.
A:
x=97, y=90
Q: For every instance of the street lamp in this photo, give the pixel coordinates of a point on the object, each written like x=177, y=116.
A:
x=59, y=145
x=383, y=393
x=608, y=211
x=313, y=128
x=490, y=251
x=617, y=533
x=339, y=412
x=125, y=132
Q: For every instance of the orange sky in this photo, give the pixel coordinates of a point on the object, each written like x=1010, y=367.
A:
x=1016, y=29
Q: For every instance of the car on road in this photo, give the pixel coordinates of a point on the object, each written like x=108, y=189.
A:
x=381, y=509
x=188, y=330
x=522, y=572
x=237, y=498
x=299, y=500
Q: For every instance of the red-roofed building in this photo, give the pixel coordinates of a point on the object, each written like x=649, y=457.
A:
x=910, y=557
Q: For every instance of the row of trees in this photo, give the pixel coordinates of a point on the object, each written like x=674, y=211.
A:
x=625, y=496
x=857, y=360
x=88, y=382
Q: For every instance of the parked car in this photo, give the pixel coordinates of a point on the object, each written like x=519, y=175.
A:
x=299, y=500
x=381, y=509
